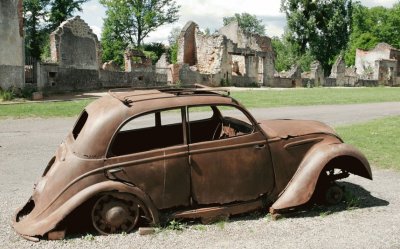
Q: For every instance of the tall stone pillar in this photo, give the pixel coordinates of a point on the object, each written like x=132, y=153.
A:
x=11, y=44
x=251, y=64
x=268, y=70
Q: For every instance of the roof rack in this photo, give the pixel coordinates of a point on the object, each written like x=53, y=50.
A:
x=198, y=91
x=184, y=87
x=183, y=90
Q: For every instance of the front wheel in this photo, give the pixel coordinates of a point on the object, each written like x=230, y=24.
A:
x=115, y=213
x=333, y=194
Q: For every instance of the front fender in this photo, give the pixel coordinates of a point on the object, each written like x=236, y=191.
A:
x=302, y=185
x=42, y=224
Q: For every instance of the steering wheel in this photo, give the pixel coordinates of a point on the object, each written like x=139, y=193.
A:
x=215, y=136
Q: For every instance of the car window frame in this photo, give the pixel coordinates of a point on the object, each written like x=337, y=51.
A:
x=182, y=109
x=214, y=107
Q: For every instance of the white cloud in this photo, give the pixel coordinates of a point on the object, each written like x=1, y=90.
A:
x=209, y=14
x=96, y=30
x=384, y=3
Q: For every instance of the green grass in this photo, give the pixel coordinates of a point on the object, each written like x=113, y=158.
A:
x=379, y=140
x=316, y=96
x=51, y=109
x=250, y=99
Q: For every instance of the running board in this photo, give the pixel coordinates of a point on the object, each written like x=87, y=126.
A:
x=211, y=214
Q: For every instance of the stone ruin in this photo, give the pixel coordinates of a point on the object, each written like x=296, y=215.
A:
x=76, y=63
x=74, y=45
x=381, y=64
x=135, y=59
x=227, y=57
x=342, y=75
x=314, y=78
x=11, y=44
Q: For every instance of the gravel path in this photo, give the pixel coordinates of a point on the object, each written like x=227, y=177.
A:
x=27, y=144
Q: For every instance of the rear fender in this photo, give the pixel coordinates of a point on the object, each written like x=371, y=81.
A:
x=39, y=226
x=302, y=185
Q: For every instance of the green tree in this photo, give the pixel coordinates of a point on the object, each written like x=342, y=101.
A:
x=61, y=10
x=112, y=43
x=173, y=45
x=247, y=22
x=320, y=27
x=287, y=55
x=155, y=49
x=34, y=12
x=136, y=19
x=371, y=26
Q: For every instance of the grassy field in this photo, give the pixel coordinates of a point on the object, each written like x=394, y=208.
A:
x=51, y=109
x=379, y=140
x=251, y=99
x=316, y=96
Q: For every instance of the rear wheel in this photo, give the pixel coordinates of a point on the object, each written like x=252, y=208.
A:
x=116, y=213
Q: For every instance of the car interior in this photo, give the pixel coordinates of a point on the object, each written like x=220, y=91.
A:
x=157, y=135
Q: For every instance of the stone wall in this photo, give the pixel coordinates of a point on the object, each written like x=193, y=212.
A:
x=246, y=41
x=54, y=78
x=244, y=81
x=74, y=45
x=281, y=82
x=76, y=54
x=367, y=62
x=187, y=45
x=213, y=58
x=11, y=44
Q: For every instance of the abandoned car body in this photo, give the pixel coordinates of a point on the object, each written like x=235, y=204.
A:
x=183, y=153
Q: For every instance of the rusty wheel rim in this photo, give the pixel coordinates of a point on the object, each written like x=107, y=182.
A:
x=115, y=213
x=333, y=195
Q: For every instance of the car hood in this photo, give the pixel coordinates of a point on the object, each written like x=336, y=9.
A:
x=284, y=128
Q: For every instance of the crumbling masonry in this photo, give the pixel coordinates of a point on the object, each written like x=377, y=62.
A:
x=11, y=44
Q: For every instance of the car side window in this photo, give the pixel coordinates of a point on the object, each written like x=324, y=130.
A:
x=233, y=122
x=219, y=122
x=147, y=132
x=202, y=123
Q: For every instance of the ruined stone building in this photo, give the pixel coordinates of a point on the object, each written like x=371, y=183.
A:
x=76, y=63
x=381, y=63
x=342, y=75
x=228, y=56
x=11, y=44
x=316, y=76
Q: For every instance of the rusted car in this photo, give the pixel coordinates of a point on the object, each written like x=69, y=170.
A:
x=139, y=155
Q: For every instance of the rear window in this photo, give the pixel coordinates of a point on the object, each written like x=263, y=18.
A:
x=80, y=124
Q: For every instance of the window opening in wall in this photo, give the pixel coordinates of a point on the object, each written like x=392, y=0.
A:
x=52, y=74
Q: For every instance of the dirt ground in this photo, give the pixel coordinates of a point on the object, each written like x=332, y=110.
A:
x=26, y=145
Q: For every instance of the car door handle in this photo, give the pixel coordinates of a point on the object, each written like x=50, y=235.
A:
x=259, y=146
x=111, y=173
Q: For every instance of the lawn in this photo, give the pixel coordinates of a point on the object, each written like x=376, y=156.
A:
x=51, y=109
x=379, y=140
x=251, y=98
x=316, y=96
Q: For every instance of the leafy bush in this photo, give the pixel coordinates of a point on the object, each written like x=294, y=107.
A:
x=6, y=95
x=27, y=91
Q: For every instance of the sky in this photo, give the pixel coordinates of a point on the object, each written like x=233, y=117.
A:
x=209, y=14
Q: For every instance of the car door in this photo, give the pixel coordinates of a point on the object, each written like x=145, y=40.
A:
x=231, y=163
x=150, y=152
